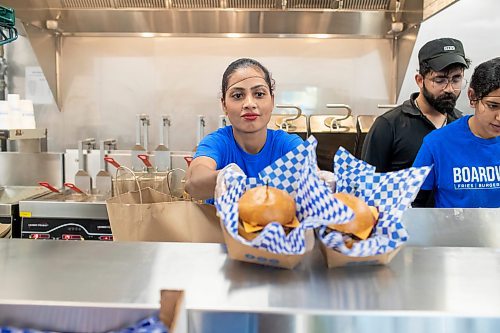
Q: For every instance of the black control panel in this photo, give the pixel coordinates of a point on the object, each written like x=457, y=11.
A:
x=65, y=229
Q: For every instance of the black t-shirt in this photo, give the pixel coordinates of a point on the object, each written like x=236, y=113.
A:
x=396, y=136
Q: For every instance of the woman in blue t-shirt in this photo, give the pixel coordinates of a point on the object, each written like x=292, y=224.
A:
x=248, y=101
x=466, y=153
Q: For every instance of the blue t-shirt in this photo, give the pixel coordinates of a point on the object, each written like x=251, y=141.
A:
x=223, y=149
x=466, y=172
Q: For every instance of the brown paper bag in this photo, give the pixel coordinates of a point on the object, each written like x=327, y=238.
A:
x=149, y=215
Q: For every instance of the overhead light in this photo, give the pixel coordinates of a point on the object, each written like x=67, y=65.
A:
x=233, y=35
x=397, y=27
x=52, y=24
x=320, y=36
x=147, y=34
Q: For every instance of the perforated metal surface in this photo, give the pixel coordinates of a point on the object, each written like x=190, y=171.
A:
x=364, y=4
x=195, y=4
x=87, y=4
x=223, y=4
x=141, y=3
x=258, y=4
x=312, y=4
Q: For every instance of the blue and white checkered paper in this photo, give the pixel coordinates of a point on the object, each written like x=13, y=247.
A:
x=151, y=324
x=296, y=173
x=392, y=193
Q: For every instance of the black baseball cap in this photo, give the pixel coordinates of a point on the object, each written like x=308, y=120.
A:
x=442, y=52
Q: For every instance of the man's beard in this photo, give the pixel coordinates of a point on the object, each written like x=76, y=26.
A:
x=443, y=104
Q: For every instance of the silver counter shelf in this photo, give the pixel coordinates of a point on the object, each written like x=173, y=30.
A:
x=424, y=289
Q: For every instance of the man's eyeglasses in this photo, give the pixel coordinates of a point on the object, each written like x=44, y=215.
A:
x=457, y=83
x=491, y=106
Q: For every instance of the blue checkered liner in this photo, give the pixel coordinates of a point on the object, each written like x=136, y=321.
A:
x=151, y=324
x=392, y=193
x=296, y=173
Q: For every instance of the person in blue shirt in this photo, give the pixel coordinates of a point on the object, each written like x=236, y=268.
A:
x=248, y=101
x=466, y=153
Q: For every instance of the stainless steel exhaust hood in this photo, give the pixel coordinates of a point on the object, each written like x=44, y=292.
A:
x=273, y=18
x=47, y=22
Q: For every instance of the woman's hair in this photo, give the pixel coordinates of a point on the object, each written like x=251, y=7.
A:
x=486, y=78
x=245, y=63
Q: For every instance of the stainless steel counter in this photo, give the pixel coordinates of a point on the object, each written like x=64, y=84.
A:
x=471, y=227
x=422, y=290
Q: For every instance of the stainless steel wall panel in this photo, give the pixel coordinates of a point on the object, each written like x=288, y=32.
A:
x=105, y=82
x=27, y=169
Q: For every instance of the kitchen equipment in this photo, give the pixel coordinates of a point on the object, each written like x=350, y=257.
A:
x=142, y=124
x=162, y=152
x=82, y=177
x=10, y=221
x=223, y=121
x=127, y=180
x=123, y=182
x=188, y=160
x=7, y=25
x=175, y=182
x=150, y=178
x=363, y=125
x=26, y=169
x=74, y=188
x=291, y=123
x=49, y=187
x=200, y=132
x=386, y=106
x=23, y=140
x=103, y=179
x=333, y=131
x=65, y=216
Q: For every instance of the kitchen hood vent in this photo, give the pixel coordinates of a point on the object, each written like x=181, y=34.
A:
x=194, y=4
x=364, y=4
x=259, y=4
x=47, y=23
x=140, y=3
x=312, y=4
x=229, y=4
x=89, y=4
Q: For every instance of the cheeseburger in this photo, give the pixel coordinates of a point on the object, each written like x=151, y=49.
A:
x=262, y=205
x=365, y=217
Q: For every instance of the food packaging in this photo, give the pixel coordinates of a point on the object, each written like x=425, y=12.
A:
x=391, y=193
x=296, y=173
x=149, y=215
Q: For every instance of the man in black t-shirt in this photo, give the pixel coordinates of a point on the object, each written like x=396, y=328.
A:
x=396, y=136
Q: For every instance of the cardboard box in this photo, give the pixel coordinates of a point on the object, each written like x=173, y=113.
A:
x=336, y=259
x=90, y=317
x=246, y=253
x=173, y=311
